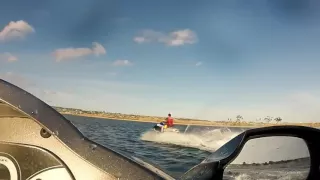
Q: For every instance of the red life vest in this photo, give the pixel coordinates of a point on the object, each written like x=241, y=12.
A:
x=169, y=121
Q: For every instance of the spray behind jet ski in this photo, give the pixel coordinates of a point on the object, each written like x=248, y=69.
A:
x=207, y=139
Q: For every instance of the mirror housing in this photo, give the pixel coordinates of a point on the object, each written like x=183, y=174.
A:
x=215, y=163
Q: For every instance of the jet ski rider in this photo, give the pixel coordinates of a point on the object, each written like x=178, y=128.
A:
x=167, y=124
x=169, y=121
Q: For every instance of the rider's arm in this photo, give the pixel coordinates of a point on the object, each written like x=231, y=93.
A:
x=166, y=120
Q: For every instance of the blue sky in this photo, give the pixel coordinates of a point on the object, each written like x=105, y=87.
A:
x=200, y=59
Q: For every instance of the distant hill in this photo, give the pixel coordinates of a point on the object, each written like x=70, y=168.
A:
x=185, y=121
x=300, y=162
x=119, y=116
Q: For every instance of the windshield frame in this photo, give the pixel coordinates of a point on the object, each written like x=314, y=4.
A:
x=61, y=128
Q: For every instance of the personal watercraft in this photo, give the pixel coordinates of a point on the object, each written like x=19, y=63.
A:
x=37, y=142
x=158, y=126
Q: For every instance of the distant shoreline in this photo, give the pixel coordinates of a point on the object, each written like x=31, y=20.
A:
x=181, y=121
x=177, y=122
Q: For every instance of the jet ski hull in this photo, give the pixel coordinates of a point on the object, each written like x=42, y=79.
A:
x=158, y=129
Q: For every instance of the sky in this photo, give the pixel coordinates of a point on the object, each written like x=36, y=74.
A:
x=208, y=59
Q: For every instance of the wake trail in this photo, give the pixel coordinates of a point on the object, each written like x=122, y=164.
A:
x=261, y=175
x=207, y=140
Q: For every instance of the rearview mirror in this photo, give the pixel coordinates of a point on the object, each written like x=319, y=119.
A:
x=298, y=141
x=268, y=158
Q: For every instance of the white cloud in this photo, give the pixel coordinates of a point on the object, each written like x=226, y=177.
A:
x=140, y=39
x=175, y=38
x=150, y=36
x=8, y=57
x=182, y=37
x=199, y=63
x=15, y=30
x=72, y=53
x=122, y=63
x=98, y=49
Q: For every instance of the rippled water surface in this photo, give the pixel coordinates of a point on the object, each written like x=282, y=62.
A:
x=176, y=157
x=174, y=153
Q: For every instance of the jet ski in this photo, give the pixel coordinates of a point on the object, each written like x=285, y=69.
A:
x=158, y=126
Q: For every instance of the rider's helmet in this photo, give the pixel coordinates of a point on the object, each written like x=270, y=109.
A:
x=169, y=114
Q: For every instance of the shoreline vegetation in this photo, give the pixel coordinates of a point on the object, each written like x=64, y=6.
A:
x=302, y=162
x=238, y=122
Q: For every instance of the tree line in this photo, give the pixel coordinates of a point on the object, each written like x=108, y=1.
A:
x=267, y=119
